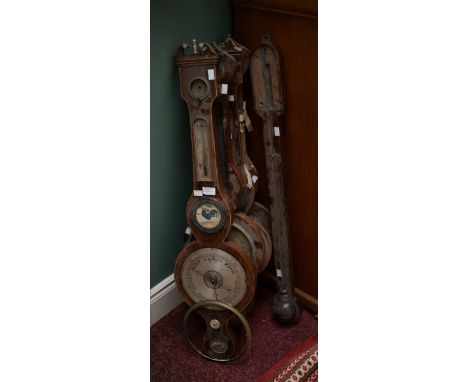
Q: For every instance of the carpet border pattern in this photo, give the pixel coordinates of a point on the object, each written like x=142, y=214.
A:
x=300, y=365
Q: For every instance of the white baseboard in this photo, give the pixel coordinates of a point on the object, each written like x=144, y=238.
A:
x=164, y=298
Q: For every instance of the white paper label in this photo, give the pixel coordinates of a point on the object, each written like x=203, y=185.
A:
x=244, y=104
x=279, y=273
x=209, y=191
x=211, y=74
x=254, y=178
x=277, y=131
x=231, y=97
x=188, y=231
x=197, y=193
x=249, y=176
x=224, y=88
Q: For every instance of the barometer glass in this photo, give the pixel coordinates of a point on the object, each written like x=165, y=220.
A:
x=213, y=274
x=202, y=144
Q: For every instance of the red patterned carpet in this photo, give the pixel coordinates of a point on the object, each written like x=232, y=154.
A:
x=300, y=365
x=173, y=360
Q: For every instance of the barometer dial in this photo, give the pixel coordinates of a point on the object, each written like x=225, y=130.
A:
x=213, y=274
x=222, y=272
x=208, y=215
x=198, y=88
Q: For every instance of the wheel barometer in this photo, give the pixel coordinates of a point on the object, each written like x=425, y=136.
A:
x=216, y=271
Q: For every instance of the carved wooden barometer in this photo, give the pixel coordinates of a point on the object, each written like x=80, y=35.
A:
x=216, y=271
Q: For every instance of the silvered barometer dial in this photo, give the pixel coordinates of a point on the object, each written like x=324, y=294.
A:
x=213, y=274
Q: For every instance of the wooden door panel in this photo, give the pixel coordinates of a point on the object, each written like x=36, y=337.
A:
x=293, y=27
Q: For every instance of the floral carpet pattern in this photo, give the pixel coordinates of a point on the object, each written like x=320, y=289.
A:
x=300, y=365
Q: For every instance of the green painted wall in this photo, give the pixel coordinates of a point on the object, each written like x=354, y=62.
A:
x=172, y=23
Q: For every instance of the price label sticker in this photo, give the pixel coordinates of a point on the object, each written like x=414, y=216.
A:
x=277, y=131
x=231, y=97
x=188, y=231
x=197, y=193
x=209, y=191
x=254, y=178
x=211, y=74
x=224, y=88
x=279, y=273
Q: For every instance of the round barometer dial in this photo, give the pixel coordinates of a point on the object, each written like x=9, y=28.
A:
x=213, y=274
x=198, y=88
x=208, y=215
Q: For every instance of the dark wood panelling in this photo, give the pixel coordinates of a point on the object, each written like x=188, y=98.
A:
x=307, y=8
x=293, y=27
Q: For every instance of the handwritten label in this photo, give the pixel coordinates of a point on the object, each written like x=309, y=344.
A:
x=279, y=273
x=209, y=191
x=197, y=193
x=224, y=88
x=277, y=131
x=231, y=97
x=188, y=231
x=254, y=178
x=211, y=74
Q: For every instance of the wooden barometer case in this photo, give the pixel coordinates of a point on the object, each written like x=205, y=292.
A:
x=209, y=209
x=216, y=272
x=240, y=122
x=268, y=102
x=233, y=178
x=215, y=276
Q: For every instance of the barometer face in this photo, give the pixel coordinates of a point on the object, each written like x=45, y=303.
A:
x=198, y=88
x=213, y=274
x=208, y=215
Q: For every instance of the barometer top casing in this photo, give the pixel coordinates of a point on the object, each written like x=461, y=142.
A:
x=265, y=69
